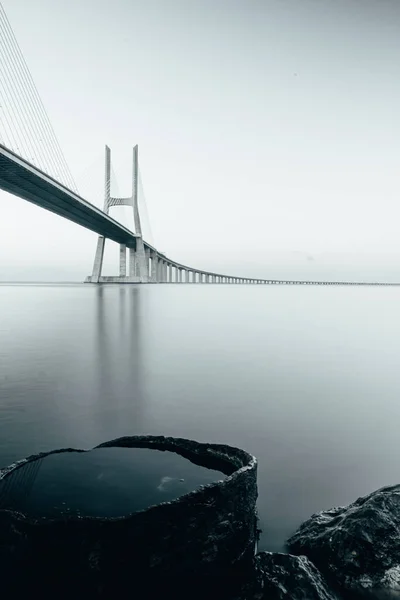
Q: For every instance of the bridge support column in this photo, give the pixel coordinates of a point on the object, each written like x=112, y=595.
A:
x=180, y=275
x=122, y=260
x=132, y=262
x=154, y=265
x=140, y=261
x=147, y=263
x=170, y=273
x=98, y=259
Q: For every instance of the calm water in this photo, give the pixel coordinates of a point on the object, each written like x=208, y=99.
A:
x=306, y=378
x=108, y=482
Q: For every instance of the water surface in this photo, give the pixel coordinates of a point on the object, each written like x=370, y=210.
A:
x=306, y=378
x=106, y=482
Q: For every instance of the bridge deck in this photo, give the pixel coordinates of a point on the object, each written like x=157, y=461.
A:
x=19, y=177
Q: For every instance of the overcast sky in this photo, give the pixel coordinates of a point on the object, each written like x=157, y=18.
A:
x=264, y=126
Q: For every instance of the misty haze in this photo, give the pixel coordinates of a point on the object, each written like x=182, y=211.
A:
x=200, y=272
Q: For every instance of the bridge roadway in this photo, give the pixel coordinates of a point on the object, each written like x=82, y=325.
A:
x=25, y=180
x=21, y=178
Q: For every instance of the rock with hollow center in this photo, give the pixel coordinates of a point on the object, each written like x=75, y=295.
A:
x=193, y=543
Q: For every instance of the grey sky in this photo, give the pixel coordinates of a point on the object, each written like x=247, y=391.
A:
x=263, y=126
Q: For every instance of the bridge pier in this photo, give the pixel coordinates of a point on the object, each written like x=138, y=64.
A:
x=98, y=259
x=154, y=262
x=122, y=260
x=159, y=269
x=132, y=260
x=147, y=263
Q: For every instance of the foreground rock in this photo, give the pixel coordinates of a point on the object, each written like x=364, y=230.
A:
x=199, y=545
x=283, y=576
x=357, y=545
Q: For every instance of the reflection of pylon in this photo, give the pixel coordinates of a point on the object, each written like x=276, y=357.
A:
x=16, y=487
x=137, y=257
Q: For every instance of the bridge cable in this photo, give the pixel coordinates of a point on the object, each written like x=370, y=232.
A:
x=15, y=56
x=141, y=195
x=45, y=126
x=14, y=103
x=31, y=118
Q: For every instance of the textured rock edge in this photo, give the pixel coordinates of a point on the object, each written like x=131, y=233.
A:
x=212, y=529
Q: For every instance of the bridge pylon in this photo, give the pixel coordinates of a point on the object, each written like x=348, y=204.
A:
x=138, y=271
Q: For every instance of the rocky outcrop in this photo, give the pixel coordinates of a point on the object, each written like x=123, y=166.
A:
x=278, y=576
x=358, y=546
x=198, y=545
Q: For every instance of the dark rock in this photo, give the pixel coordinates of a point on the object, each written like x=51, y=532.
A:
x=200, y=544
x=283, y=576
x=356, y=545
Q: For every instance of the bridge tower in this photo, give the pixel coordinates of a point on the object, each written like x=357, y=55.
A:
x=138, y=262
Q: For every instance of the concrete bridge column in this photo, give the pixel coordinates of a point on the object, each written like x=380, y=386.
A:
x=140, y=261
x=122, y=260
x=159, y=269
x=132, y=262
x=147, y=263
x=98, y=259
x=160, y=273
x=180, y=275
x=170, y=273
x=187, y=276
x=154, y=262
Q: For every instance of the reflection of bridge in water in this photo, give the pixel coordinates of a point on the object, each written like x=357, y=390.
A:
x=119, y=366
x=16, y=487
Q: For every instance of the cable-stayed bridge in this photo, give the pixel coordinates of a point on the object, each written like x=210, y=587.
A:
x=33, y=167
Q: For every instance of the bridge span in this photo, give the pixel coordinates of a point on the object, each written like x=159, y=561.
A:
x=146, y=264
x=33, y=167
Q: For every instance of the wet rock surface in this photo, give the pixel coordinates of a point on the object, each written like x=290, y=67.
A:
x=277, y=576
x=358, y=545
x=200, y=543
